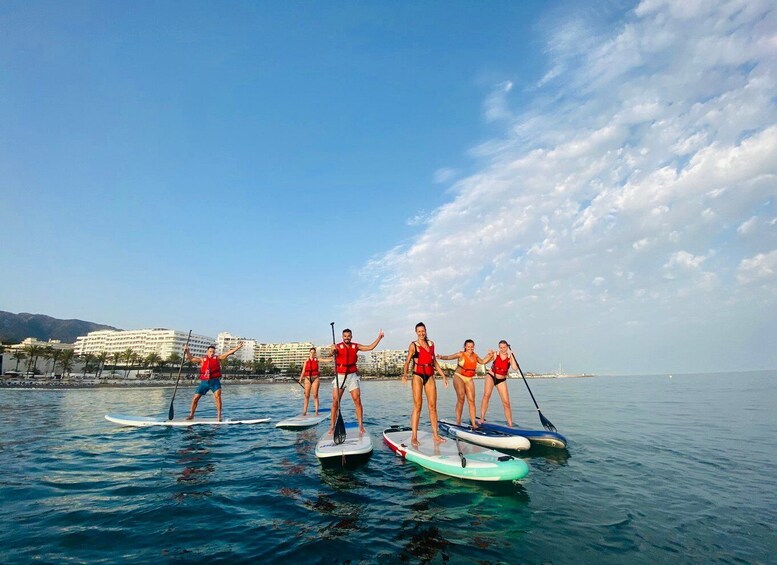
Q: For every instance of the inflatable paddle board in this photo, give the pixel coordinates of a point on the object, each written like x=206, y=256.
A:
x=478, y=464
x=492, y=439
x=356, y=448
x=301, y=422
x=140, y=422
x=538, y=437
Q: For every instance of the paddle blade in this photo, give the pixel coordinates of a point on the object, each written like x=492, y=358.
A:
x=339, y=435
x=461, y=455
x=547, y=424
x=171, y=412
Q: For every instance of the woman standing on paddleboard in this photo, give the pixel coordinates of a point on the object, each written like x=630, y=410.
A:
x=421, y=353
x=463, y=382
x=310, y=376
x=496, y=376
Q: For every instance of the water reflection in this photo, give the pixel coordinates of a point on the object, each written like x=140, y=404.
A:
x=196, y=461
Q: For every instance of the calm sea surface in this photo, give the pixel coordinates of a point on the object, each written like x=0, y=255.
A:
x=658, y=469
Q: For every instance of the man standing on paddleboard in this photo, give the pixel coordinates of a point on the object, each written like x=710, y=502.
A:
x=210, y=375
x=346, y=354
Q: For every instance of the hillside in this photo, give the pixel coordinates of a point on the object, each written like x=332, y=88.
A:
x=16, y=327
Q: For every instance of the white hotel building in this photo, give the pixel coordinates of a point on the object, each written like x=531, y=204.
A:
x=161, y=341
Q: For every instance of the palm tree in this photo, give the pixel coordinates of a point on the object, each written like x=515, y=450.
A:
x=33, y=352
x=174, y=360
x=54, y=355
x=87, y=358
x=102, y=357
x=153, y=360
x=19, y=355
x=127, y=357
x=116, y=358
x=66, y=360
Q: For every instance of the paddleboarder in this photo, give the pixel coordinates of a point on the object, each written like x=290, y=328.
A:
x=463, y=382
x=210, y=376
x=421, y=353
x=346, y=355
x=496, y=377
x=310, y=378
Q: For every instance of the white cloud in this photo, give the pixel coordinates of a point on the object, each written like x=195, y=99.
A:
x=444, y=175
x=748, y=226
x=759, y=268
x=639, y=146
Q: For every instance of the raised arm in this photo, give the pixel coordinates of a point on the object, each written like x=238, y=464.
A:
x=188, y=354
x=373, y=345
x=231, y=351
x=489, y=357
x=450, y=357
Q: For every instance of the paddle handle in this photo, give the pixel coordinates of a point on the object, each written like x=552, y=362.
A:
x=171, y=412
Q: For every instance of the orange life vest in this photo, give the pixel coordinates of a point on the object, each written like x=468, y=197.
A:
x=346, y=357
x=467, y=367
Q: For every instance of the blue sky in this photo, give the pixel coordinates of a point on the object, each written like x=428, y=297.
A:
x=595, y=183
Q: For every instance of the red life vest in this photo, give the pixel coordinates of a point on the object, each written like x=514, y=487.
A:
x=501, y=366
x=424, y=360
x=346, y=357
x=311, y=368
x=210, y=368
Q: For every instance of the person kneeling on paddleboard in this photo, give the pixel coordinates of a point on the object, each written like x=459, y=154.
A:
x=210, y=376
x=345, y=356
x=421, y=353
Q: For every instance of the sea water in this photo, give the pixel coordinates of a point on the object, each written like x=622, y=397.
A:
x=658, y=469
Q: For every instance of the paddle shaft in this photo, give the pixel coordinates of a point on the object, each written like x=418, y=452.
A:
x=339, y=432
x=547, y=424
x=171, y=412
x=524, y=381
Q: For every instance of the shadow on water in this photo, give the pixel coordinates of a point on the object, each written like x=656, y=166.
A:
x=195, y=459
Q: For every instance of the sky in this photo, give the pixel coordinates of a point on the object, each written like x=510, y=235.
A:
x=595, y=182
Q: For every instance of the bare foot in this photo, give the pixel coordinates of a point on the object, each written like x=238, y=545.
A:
x=331, y=432
x=414, y=442
x=191, y=417
x=438, y=439
x=362, y=430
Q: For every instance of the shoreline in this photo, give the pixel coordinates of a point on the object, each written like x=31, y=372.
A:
x=77, y=383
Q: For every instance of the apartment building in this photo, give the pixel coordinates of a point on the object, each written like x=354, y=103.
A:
x=162, y=341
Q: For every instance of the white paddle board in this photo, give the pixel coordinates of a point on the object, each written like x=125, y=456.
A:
x=475, y=462
x=357, y=447
x=492, y=439
x=141, y=422
x=307, y=421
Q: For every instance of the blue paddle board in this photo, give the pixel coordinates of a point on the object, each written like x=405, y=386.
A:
x=538, y=437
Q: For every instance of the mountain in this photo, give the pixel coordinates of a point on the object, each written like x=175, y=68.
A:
x=16, y=327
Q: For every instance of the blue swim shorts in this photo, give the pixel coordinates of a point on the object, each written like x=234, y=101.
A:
x=209, y=384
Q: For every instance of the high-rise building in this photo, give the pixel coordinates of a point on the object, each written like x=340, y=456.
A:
x=226, y=341
x=162, y=341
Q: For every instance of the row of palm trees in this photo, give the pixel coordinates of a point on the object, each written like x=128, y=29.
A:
x=127, y=360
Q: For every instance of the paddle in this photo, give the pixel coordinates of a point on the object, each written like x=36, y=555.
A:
x=171, y=412
x=339, y=432
x=545, y=422
x=463, y=459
